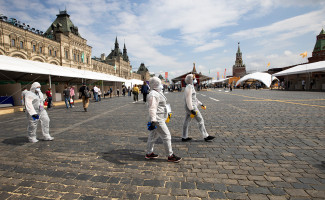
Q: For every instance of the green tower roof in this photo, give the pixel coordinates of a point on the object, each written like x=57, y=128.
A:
x=320, y=43
x=62, y=24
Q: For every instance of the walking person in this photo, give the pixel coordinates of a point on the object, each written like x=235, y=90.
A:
x=34, y=102
x=66, y=95
x=23, y=93
x=145, y=91
x=95, y=93
x=84, y=94
x=303, y=83
x=123, y=91
x=129, y=91
x=99, y=94
x=110, y=92
x=49, y=98
x=191, y=108
x=157, y=126
x=72, y=94
x=135, y=91
x=118, y=92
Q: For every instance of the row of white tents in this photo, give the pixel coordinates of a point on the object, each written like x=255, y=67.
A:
x=20, y=67
x=267, y=78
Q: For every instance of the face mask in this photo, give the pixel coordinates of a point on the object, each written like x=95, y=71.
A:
x=38, y=89
x=194, y=81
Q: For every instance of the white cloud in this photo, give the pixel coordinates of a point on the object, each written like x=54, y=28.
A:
x=168, y=35
x=214, y=44
x=258, y=62
x=285, y=29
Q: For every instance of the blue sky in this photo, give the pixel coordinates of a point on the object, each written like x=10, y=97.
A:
x=169, y=35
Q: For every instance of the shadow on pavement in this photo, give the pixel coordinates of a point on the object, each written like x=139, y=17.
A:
x=174, y=140
x=16, y=141
x=125, y=156
x=320, y=166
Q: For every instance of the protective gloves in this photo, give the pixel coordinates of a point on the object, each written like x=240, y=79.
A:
x=35, y=117
x=168, y=118
x=152, y=125
x=193, y=113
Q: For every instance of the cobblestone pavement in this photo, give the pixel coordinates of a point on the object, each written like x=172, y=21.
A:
x=269, y=145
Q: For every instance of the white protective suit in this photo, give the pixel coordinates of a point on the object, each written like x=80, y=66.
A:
x=192, y=103
x=156, y=102
x=34, y=103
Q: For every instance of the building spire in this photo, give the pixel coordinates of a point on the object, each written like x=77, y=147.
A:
x=194, y=70
x=238, y=51
x=116, y=43
x=125, y=53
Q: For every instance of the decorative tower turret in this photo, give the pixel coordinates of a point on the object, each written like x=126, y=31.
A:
x=239, y=69
x=319, y=49
x=125, y=54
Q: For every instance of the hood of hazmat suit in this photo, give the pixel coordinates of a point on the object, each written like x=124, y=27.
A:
x=191, y=102
x=189, y=79
x=155, y=84
x=34, y=86
x=156, y=101
x=34, y=100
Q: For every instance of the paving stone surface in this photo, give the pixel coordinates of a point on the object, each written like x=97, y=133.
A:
x=269, y=145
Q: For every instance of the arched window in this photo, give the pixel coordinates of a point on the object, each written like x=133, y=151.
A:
x=50, y=52
x=13, y=41
x=55, y=53
x=40, y=49
x=66, y=55
x=21, y=44
x=34, y=47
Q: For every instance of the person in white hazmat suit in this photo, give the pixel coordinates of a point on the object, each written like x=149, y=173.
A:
x=191, y=108
x=34, y=102
x=158, y=114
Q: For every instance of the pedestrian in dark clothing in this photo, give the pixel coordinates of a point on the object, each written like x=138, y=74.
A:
x=84, y=94
x=123, y=91
x=66, y=94
x=145, y=91
x=129, y=91
x=110, y=92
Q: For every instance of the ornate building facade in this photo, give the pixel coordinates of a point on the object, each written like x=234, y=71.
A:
x=239, y=68
x=61, y=45
x=143, y=72
x=319, y=49
x=117, y=63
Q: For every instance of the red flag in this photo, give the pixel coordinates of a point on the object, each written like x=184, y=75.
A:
x=166, y=75
x=217, y=75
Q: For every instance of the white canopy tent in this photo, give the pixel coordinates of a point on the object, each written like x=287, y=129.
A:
x=265, y=78
x=131, y=82
x=301, y=69
x=28, y=66
x=220, y=80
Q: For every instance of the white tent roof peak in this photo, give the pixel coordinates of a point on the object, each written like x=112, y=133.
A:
x=28, y=66
x=265, y=78
x=301, y=69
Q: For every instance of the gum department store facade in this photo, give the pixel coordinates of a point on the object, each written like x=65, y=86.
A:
x=60, y=45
